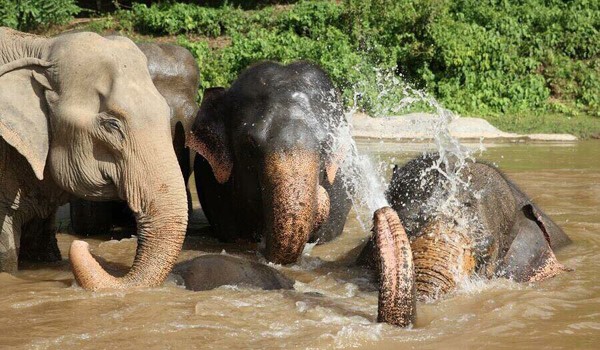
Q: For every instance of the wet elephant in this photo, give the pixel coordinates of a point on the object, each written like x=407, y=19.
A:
x=79, y=115
x=175, y=74
x=490, y=229
x=270, y=153
x=214, y=270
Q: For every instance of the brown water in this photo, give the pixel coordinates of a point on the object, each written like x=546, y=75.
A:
x=41, y=308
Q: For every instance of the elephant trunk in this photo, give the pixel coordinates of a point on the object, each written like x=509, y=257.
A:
x=294, y=203
x=443, y=257
x=397, y=294
x=160, y=207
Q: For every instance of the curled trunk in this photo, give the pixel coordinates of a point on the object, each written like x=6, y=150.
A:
x=397, y=295
x=442, y=257
x=160, y=207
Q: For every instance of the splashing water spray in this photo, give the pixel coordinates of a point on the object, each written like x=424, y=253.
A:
x=365, y=182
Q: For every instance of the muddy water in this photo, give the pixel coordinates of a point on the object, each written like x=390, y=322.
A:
x=334, y=304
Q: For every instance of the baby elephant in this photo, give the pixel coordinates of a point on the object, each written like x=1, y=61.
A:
x=214, y=270
x=486, y=226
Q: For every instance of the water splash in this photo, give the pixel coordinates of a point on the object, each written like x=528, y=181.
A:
x=394, y=96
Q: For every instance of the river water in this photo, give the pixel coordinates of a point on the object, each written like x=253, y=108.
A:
x=334, y=304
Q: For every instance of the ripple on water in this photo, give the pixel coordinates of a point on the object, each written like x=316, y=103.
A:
x=333, y=305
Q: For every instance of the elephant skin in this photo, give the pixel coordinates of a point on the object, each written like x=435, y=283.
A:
x=492, y=230
x=271, y=150
x=214, y=270
x=80, y=116
x=175, y=73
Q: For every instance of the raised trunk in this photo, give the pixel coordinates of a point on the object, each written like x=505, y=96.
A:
x=160, y=206
x=291, y=203
x=397, y=295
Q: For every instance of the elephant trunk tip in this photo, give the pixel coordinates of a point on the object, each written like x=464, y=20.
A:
x=87, y=271
x=397, y=293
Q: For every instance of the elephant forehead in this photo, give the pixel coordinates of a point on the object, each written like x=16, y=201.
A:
x=92, y=56
x=292, y=121
x=134, y=99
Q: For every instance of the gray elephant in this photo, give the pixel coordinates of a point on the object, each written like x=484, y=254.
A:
x=488, y=228
x=79, y=115
x=270, y=150
x=210, y=271
x=175, y=74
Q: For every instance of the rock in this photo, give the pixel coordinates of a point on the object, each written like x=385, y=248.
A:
x=420, y=126
x=214, y=270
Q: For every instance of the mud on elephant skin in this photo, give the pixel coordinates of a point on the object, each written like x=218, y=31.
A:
x=79, y=115
x=492, y=230
x=271, y=150
x=214, y=270
x=175, y=73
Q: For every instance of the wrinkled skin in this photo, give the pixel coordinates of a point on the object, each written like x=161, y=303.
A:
x=79, y=115
x=497, y=231
x=175, y=74
x=269, y=158
x=214, y=270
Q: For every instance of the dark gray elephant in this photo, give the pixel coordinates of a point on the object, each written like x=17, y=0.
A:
x=490, y=229
x=79, y=115
x=175, y=74
x=271, y=149
x=214, y=270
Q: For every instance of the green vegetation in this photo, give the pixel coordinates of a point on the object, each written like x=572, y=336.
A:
x=34, y=14
x=524, y=65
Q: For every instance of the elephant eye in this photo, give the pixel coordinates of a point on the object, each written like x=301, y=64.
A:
x=113, y=125
x=251, y=141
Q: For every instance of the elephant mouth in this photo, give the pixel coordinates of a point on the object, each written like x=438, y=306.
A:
x=106, y=191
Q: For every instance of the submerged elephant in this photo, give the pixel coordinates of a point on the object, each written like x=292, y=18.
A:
x=271, y=149
x=79, y=115
x=214, y=270
x=175, y=74
x=491, y=230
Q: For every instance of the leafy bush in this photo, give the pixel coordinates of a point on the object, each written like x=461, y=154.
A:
x=477, y=57
x=33, y=14
x=489, y=58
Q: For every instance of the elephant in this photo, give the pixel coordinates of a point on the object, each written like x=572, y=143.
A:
x=80, y=116
x=270, y=150
x=210, y=271
x=490, y=229
x=175, y=73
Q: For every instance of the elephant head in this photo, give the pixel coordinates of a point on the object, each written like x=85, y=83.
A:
x=270, y=137
x=83, y=111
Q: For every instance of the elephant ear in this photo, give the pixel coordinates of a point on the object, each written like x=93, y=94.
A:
x=530, y=256
x=208, y=136
x=23, y=110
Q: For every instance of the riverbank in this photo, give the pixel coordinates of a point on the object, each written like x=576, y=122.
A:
x=416, y=127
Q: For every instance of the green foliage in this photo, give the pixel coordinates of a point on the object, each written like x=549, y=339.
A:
x=487, y=57
x=33, y=14
x=492, y=58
